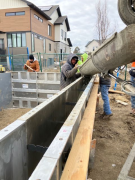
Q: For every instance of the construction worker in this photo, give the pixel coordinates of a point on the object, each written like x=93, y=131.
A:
x=79, y=64
x=32, y=64
x=105, y=84
x=132, y=74
x=84, y=57
x=68, y=71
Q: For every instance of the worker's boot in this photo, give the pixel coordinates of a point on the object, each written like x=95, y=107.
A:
x=107, y=117
x=102, y=114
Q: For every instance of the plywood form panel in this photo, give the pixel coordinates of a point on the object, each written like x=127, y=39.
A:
x=39, y=27
x=15, y=23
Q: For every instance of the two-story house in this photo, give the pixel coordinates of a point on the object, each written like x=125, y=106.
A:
x=24, y=25
x=92, y=45
x=61, y=27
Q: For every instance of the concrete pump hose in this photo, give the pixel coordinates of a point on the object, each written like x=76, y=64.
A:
x=128, y=85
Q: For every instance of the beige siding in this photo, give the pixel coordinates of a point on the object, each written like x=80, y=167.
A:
x=47, y=46
x=28, y=41
x=93, y=44
x=64, y=28
x=57, y=32
x=8, y=4
x=39, y=45
x=54, y=17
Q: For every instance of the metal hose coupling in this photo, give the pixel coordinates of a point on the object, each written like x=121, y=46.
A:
x=126, y=86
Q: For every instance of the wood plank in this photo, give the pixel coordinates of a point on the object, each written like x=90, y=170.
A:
x=77, y=163
x=117, y=92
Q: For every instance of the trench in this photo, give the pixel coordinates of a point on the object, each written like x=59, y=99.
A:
x=39, y=127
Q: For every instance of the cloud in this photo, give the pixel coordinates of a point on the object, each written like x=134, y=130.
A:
x=82, y=18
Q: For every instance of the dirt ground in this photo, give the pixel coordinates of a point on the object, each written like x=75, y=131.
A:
x=115, y=139
x=7, y=116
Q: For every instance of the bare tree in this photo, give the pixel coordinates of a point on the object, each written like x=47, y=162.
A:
x=103, y=23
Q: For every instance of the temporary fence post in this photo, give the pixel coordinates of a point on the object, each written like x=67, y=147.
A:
x=39, y=57
x=12, y=62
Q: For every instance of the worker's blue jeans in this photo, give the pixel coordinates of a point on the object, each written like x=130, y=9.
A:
x=133, y=97
x=104, y=93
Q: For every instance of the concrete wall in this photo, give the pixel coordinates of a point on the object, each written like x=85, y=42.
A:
x=31, y=89
x=39, y=127
x=5, y=91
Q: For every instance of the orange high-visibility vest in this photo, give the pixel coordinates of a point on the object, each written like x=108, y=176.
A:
x=133, y=64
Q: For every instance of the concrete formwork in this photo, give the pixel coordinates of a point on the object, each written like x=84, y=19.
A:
x=5, y=91
x=39, y=127
x=31, y=89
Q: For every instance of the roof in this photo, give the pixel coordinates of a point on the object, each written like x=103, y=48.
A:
x=99, y=41
x=37, y=9
x=60, y=21
x=69, y=42
x=51, y=10
x=1, y=32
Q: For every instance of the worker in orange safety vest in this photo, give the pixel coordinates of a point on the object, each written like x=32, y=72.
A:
x=132, y=73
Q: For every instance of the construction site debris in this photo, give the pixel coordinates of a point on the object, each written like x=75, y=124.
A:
x=121, y=102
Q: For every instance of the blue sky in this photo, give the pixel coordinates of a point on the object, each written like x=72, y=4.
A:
x=82, y=18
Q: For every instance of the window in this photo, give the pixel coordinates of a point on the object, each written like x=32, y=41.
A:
x=23, y=40
x=35, y=16
x=15, y=13
x=9, y=40
x=49, y=30
x=10, y=14
x=65, y=36
x=16, y=40
x=49, y=47
x=1, y=43
x=61, y=34
x=33, y=43
x=38, y=18
x=20, y=13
